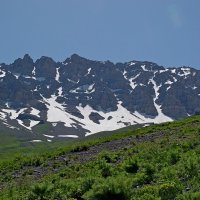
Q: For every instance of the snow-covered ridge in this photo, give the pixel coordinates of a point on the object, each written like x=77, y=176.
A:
x=112, y=120
x=80, y=97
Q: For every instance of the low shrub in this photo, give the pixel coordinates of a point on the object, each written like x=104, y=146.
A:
x=131, y=165
x=168, y=191
x=40, y=191
x=116, y=189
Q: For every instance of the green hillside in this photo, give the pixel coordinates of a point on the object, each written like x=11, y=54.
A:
x=159, y=162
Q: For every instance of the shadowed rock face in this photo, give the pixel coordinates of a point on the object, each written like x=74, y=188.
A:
x=95, y=117
x=142, y=87
x=22, y=66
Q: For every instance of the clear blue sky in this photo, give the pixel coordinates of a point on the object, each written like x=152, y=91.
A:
x=163, y=31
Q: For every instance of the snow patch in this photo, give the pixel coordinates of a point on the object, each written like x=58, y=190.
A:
x=88, y=72
x=72, y=81
x=168, y=82
x=132, y=83
x=120, y=118
x=124, y=74
x=17, y=75
x=29, y=77
x=168, y=88
x=143, y=67
x=173, y=71
x=60, y=91
x=33, y=72
x=194, y=87
x=84, y=89
x=13, y=114
x=35, y=112
x=185, y=72
x=161, y=117
x=57, y=75
x=36, y=141
x=132, y=63
x=32, y=123
x=2, y=73
x=56, y=112
x=68, y=136
x=2, y=115
x=49, y=136
x=54, y=124
x=163, y=70
x=175, y=80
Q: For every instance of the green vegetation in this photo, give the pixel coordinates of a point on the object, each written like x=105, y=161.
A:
x=41, y=128
x=7, y=143
x=159, y=162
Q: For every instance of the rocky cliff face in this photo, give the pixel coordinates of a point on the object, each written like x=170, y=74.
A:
x=79, y=96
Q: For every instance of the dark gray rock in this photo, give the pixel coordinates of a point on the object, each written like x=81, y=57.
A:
x=95, y=117
x=101, y=85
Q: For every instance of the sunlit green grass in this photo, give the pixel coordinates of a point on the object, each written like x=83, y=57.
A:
x=165, y=168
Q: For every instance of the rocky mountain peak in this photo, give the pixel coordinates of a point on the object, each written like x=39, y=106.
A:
x=75, y=58
x=27, y=58
x=23, y=65
x=45, y=67
x=81, y=96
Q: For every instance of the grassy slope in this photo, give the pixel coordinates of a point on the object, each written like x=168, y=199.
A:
x=7, y=143
x=161, y=167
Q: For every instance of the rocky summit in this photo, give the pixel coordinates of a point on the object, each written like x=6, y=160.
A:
x=79, y=97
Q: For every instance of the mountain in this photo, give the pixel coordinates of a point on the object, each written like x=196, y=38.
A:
x=79, y=97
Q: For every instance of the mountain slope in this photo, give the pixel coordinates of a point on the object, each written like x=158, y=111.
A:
x=80, y=97
x=155, y=162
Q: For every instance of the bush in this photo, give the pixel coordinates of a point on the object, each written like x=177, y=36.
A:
x=189, y=165
x=106, y=168
x=139, y=179
x=174, y=157
x=76, y=189
x=40, y=191
x=145, y=197
x=71, y=189
x=189, y=196
x=108, y=157
x=149, y=170
x=116, y=189
x=131, y=166
x=168, y=191
x=146, y=193
x=80, y=148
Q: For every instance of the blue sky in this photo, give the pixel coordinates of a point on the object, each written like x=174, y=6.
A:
x=163, y=31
